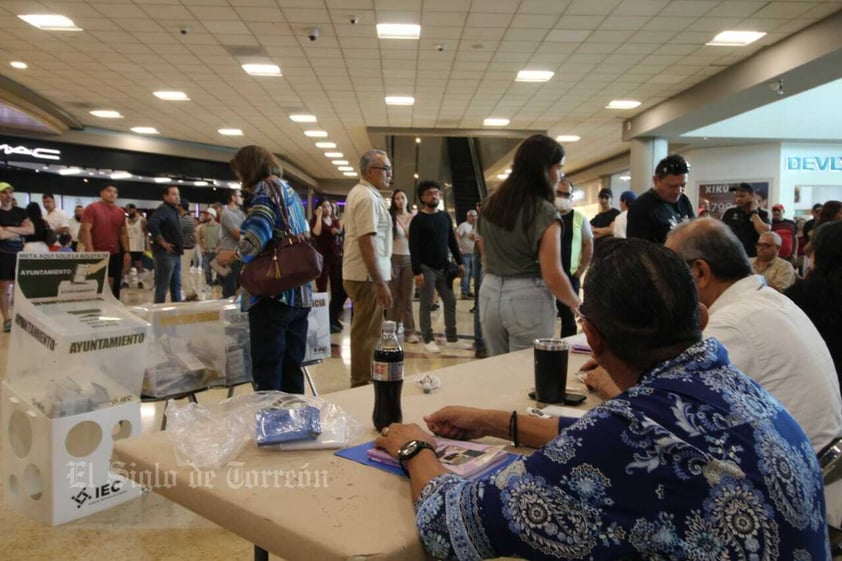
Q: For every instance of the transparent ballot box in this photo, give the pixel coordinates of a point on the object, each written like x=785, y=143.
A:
x=187, y=347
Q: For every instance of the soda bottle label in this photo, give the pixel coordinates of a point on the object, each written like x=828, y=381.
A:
x=386, y=371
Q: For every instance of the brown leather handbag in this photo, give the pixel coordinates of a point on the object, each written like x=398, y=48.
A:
x=286, y=262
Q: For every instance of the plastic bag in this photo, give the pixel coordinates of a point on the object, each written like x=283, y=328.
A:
x=208, y=436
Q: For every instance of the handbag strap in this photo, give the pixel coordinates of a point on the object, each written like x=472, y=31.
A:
x=278, y=198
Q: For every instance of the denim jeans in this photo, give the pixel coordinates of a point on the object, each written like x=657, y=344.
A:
x=514, y=312
x=207, y=257
x=167, y=276
x=468, y=261
x=436, y=279
x=231, y=281
x=278, y=344
x=479, y=342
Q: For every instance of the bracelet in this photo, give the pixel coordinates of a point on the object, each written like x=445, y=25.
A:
x=513, y=429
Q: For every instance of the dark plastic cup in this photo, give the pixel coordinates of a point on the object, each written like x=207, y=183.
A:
x=550, y=370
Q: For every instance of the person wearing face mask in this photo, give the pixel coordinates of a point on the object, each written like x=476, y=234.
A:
x=576, y=249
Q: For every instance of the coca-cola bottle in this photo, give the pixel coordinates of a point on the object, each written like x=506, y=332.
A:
x=387, y=376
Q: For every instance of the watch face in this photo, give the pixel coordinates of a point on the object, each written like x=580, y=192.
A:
x=408, y=449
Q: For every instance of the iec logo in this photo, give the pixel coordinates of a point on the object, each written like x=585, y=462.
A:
x=814, y=163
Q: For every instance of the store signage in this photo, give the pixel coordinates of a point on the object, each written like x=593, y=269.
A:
x=814, y=163
x=37, y=152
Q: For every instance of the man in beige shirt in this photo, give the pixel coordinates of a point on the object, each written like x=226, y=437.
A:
x=778, y=272
x=367, y=265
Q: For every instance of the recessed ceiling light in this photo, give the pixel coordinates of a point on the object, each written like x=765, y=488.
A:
x=316, y=134
x=69, y=171
x=325, y=145
x=349, y=173
x=622, y=104
x=495, y=122
x=144, y=130
x=334, y=154
x=735, y=38
x=230, y=132
x=106, y=114
x=568, y=138
x=400, y=100
x=625, y=178
x=502, y=175
x=163, y=180
x=345, y=168
x=534, y=75
x=303, y=118
x=262, y=69
x=172, y=96
x=200, y=183
x=50, y=22
x=417, y=140
x=398, y=31
x=120, y=175
x=339, y=162
x=19, y=65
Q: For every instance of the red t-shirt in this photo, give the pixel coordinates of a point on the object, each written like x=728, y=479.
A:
x=106, y=222
x=787, y=231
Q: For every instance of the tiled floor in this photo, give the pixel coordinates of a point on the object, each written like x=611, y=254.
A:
x=153, y=528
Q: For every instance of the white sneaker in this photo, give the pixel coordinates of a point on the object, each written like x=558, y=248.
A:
x=412, y=338
x=432, y=347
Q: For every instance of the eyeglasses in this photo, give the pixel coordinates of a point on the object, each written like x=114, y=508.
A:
x=563, y=195
x=384, y=168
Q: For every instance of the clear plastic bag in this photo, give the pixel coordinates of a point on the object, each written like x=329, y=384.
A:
x=208, y=436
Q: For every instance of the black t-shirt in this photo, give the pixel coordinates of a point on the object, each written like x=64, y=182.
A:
x=566, y=241
x=601, y=220
x=651, y=217
x=12, y=217
x=740, y=223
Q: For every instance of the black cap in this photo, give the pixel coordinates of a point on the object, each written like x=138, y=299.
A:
x=745, y=187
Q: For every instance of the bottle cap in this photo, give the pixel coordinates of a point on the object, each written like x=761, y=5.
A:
x=389, y=326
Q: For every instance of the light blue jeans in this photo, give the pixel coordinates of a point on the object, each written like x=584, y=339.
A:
x=514, y=311
x=467, y=261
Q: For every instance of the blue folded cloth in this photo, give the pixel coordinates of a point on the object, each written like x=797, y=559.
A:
x=278, y=425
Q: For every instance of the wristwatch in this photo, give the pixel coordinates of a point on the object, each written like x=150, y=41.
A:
x=412, y=449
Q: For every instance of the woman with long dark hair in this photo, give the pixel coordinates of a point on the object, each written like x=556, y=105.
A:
x=521, y=241
x=820, y=293
x=278, y=325
x=327, y=229
x=42, y=238
x=402, y=284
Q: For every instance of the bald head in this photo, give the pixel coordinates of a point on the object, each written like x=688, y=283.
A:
x=712, y=241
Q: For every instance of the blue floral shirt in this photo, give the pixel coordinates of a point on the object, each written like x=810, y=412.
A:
x=264, y=222
x=696, y=462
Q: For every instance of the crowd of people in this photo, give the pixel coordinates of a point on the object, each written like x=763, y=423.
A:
x=716, y=345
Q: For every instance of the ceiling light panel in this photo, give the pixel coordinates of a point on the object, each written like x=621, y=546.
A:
x=144, y=130
x=325, y=145
x=316, y=134
x=398, y=31
x=50, y=22
x=230, y=132
x=334, y=154
x=302, y=118
x=735, y=38
x=19, y=65
x=106, y=114
x=172, y=96
x=568, y=138
x=534, y=76
x=495, y=122
x=339, y=162
x=400, y=100
x=623, y=104
x=262, y=69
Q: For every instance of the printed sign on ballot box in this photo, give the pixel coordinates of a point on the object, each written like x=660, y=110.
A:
x=62, y=275
x=318, y=329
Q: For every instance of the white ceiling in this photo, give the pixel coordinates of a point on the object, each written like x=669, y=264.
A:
x=600, y=50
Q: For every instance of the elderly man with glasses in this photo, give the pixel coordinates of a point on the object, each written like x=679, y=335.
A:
x=367, y=264
x=664, y=206
x=779, y=273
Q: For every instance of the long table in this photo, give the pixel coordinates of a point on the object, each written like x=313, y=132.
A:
x=315, y=505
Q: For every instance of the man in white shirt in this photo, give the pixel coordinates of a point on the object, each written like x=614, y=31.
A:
x=367, y=264
x=74, y=224
x=55, y=217
x=626, y=199
x=767, y=336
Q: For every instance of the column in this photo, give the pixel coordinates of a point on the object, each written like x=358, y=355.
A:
x=645, y=155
